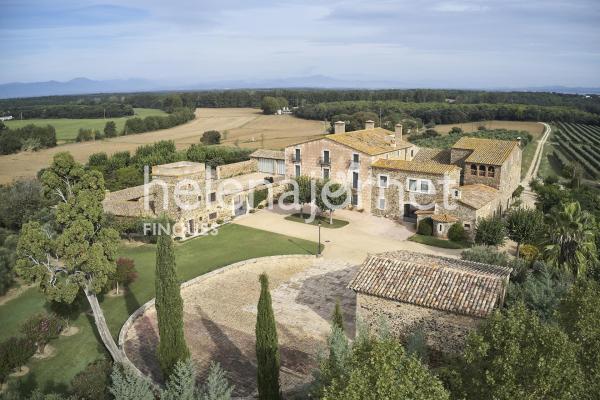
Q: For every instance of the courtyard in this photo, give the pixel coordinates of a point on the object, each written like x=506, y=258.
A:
x=220, y=316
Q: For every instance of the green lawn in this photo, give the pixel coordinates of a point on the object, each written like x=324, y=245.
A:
x=337, y=223
x=436, y=242
x=66, y=128
x=195, y=257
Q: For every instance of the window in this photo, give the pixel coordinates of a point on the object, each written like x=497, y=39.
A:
x=440, y=227
x=381, y=203
x=354, y=199
x=482, y=170
x=297, y=155
x=456, y=193
x=326, y=156
x=383, y=181
x=354, y=180
x=412, y=153
x=355, y=158
x=325, y=173
x=297, y=171
x=467, y=226
x=473, y=169
x=412, y=185
x=212, y=215
x=425, y=186
x=491, y=171
x=213, y=197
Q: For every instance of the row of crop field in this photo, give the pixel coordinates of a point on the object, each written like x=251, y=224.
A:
x=581, y=144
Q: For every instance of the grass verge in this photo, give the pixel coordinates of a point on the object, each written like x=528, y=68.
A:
x=336, y=223
x=195, y=257
x=436, y=242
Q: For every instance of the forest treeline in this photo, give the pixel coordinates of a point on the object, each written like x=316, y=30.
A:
x=102, y=110
x=447, y=113
x=306, y=97
x=29, y=137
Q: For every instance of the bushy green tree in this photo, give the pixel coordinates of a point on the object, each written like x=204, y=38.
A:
x=172, y=102
x=7, y=275
x=269, y=105
x=425, y=227
x=93, y=381
x=20, y=202
x=524, y=225
x=579, y=316
x=490, y=231
x=128, y=385
x=78, y=252
x=181, y=384
x=211, y=137
x=216, y=386
x=110, y=129
x=457, y=233
x=267, y=346
x=516, y=356
x=485, y=254
x=379, y=368
x=169, y=308
x=331, y=196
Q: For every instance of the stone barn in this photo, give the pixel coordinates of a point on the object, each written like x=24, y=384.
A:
x=441, y=297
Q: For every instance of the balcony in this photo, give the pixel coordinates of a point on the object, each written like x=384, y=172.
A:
x=325, y=162
x=295, y=158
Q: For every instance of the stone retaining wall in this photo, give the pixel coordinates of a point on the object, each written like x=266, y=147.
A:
x=238, y=168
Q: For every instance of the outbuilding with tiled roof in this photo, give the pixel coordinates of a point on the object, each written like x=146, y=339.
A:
x=442, y=297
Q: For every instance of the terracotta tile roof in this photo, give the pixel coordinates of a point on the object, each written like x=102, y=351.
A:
x=445, y=218
x=440, y=283
x=415, y=166
x=477, y=195
x=266, y=153
x=369, y=141
x=486, y=151
x=428, y=154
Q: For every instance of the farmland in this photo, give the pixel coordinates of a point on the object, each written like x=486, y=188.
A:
x=66, y=128
x=535, y=128
x=246, y=127
x=580, y=144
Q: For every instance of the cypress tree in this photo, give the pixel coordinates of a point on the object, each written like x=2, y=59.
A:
x=169, y=308
x=338, y=318
x=267, y=348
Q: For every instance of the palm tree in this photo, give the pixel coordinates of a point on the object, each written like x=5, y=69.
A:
x=570, y=241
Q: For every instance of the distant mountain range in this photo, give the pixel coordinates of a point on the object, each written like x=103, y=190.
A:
x=87, y=86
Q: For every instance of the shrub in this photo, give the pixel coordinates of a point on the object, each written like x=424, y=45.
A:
x=518, y=191
x=219, y=221
x=93, y=381
x=457, y=233
x=7, y=274
x=259, y=196
x=425, y=227
x=486, y=255
x=529, y=252
x=124, y=274
x=456, y=129
x=14, y=352
x=41, y=328
x=211, y=137
x=86, y=135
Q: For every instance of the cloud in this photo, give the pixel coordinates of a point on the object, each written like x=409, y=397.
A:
x=459, y=7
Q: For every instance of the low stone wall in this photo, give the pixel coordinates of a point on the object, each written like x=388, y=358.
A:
x=444, y=332
x=235, y=169
x=140, y=311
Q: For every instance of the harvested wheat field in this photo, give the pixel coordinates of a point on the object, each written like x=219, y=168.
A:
x=247, y=127
x=535, y=128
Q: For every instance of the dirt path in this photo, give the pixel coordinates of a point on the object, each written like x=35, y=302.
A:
x=528, y=197
x=247, y=127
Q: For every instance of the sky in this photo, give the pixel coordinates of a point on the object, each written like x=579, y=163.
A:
x=418, y=43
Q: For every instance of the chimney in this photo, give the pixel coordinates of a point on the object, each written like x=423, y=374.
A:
x=340, y=127
x=369, y=124
x=398, y=132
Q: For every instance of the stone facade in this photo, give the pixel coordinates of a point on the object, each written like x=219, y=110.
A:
x=398, y=194
x=444, y=332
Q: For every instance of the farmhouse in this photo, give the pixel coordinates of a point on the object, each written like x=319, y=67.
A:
x=442, y=297
x=195, y=197
x=392, y=178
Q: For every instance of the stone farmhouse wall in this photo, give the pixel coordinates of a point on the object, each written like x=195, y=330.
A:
x=339, y=170
x=235, y=169
x=444, y=332
x=396, y=197
x=510, y=175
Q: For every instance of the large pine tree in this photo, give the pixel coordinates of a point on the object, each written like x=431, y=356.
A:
x=169, y=308
x=267, y=348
